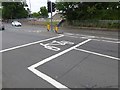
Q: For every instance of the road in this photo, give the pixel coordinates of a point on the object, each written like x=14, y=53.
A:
x=35, y=58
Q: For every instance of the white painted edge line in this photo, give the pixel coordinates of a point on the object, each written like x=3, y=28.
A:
x=109, y=38
x=111, y=57
x=82, y=35
x=47, y=78
x=98, y=37
x=106, y=41
x=105, y=38
x=69, y=33
x=93, y=39
x=17, y=47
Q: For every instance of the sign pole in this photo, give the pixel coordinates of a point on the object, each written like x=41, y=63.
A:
x=51, y=18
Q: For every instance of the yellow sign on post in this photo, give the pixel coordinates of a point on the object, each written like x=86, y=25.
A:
x=48, y=27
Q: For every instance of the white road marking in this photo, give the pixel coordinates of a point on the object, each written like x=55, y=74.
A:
x=109, y=38
x=93, y=38
x=111, y=57
x=35, y=31
x=90, y=36
x=69, y=33
x=21, y=46
x=59, y=54
x=97, y=37
x=81, y=35
x=106, y=41
x=51, y=45
x=47, y=78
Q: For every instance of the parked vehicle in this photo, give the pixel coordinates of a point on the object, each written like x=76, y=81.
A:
x=16, y=23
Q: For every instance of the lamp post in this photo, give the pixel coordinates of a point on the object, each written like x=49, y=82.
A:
x=51, y=18
x=30, y=8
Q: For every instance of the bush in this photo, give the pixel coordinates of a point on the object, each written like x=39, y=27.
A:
x=96, y=23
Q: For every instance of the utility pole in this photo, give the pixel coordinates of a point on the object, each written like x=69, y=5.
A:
x=51, y=18
x=30, y=8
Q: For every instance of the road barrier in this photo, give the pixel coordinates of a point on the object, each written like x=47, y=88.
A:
x=48, y=27
x=56, y=29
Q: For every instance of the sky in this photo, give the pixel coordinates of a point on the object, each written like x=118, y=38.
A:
x=36, y=4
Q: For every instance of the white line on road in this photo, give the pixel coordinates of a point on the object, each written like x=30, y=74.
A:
x=108, y=38
x=106, y=41
x=93, y=38
x=97, y=37
x=111, y=57
x=21, y=46
x=59, y=54
x=47, y=78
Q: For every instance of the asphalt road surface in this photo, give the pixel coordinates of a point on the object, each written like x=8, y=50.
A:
x=35, y=58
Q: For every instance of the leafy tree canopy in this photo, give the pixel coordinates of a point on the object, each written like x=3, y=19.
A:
x=14, y=10
x=35, y=15
x=89, y=10
x=43, y=12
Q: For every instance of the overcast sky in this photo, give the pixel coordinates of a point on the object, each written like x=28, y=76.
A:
x=36, y=4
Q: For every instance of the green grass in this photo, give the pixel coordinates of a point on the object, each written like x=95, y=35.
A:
x=54, y=23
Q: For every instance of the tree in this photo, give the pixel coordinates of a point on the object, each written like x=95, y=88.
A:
x=0, y=13
x=13, y=10
x=35, y=15
x=88, y=10
x=43, y=12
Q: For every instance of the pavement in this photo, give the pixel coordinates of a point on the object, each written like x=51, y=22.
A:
x=32, y=57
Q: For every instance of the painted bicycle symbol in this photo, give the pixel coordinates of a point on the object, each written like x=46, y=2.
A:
x=51, y=46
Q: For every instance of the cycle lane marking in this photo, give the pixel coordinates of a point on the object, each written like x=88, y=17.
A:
x=24, y=45
x=47, y=78
x=53, y=45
